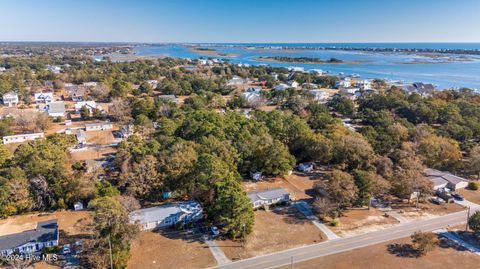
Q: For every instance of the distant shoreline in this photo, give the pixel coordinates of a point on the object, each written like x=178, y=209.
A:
x=302, y=60
x=211, y=52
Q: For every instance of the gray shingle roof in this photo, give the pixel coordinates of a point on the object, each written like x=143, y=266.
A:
x=267, y=194
x=45, y=231
x=439, y=176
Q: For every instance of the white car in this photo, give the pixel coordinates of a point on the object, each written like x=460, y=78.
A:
x=214, y=230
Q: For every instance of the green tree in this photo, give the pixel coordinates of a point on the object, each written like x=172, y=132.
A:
x=111, y=226
x=85, y=112
x=474, y=222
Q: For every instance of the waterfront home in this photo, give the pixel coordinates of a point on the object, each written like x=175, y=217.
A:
x=21, y=138
x=269, y=197
x=343, y=83
x=30, y=241
x=43, y=97
x=54, y=109
x=99, y=126
x=10, y=98
x=420, y=88
x=167, y=215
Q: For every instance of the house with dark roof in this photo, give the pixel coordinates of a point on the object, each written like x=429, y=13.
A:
x=268, y=197
x=167, y=215
x=442, y=179
x=30, y=241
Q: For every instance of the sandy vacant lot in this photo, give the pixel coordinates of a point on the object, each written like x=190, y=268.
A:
x=378, y=257
x=91, y=154
x=358, y=221
x=299, y=186
x=472, y=196
x=154, y=250
x=429, y=210
x=70, y=222
x=274, y=231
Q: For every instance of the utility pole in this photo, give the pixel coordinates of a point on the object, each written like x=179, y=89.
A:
x=110, y=244
x=291, y=262
x=468, y=216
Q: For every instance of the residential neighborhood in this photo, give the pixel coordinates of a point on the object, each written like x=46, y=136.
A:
x=152, y=135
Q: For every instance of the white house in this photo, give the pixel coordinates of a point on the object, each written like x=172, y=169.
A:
x=235, y=81
x=54, y=109
x=268, y=197
x=293, y=84
x=252, y=97
x=43, y=97
x=281, y=87
x=167, y=215
x=445, y=179
x=54, y=68
x=344, y=83
x=21, y=138
x=81, y=137
x=98, y=126
x=90, y=84
x=319, y=95
x=78, y=206
x=10, y=98
x=30, y=241
x=90, y=105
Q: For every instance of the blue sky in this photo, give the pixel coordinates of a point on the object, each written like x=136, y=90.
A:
x=241, y=20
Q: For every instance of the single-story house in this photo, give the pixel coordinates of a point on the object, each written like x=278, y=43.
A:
x=236, y=80
x=305, y=167
x=75, y=92
x=88, y=104
x=90, y=84
x=10, y=98
x=445, y=179
x=43, y=97
x=269, y=197
x=78, y=206
x=168, y=98
x=319, y=95
x=281, y=87
x=54, y=109
x=99, y=126
x=127, y=130
x=30, y=241
x=167, y=215
x=21, y=138
x=252, y=97
x=81, y=136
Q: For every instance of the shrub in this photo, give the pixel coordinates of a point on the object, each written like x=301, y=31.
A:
x=473, y=185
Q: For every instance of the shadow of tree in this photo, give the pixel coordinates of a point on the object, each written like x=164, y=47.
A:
x=290, y=215
x=403, y=250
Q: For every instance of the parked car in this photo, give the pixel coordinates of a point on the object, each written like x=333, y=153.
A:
x=437, y=200
x=215, y=231
x=66, y=249
x=458, y=196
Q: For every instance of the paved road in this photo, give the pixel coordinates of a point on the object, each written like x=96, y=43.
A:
x=282, y=258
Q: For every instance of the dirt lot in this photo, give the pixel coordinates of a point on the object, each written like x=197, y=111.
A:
x=154, y=250
x=100, y=137
x=426, y=210
x=91, y=154
x=70, y=222
x=378, y=257
x=274, y=231
x=359, y=221
x=299, y=186
x=472, y=196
